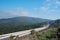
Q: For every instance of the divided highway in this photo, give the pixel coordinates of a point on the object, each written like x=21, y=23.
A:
x=21, y=33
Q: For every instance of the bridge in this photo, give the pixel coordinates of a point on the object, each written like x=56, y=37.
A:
x=22, y=34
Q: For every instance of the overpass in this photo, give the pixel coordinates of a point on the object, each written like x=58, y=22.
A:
x=21, y=33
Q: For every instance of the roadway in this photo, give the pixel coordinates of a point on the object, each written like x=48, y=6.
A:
x=21, y=33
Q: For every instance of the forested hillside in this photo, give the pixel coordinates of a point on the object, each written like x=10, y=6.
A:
x=56, y=24
x=20, y=23
x=9, y=28
x=49, y=34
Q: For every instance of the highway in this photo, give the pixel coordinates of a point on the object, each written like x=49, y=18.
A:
x=21, y=33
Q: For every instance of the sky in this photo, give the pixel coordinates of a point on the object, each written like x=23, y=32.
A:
x=47, y=9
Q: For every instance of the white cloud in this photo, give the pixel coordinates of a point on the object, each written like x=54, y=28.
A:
x=50, y=6
x=19, y=12
x=52, y=3
x=54, y=11
x=57, y=2
x=35, y=8
x=14, y=13
x=44, y=9
x=25, y=13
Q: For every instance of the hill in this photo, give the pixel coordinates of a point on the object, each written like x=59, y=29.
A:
x=23, y=20
x=20, y=23
x=55, y=24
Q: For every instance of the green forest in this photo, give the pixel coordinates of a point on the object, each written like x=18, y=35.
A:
x=9, y=27
x=47, y=34
x=50, y=34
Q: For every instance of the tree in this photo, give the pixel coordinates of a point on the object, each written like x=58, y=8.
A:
x=33, y=35
x=12, y=37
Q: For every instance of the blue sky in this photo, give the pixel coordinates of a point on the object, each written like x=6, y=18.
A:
x=47, y=9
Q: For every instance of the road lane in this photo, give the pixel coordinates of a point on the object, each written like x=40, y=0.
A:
x=21, y=33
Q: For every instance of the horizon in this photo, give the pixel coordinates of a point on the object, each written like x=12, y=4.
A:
x=46, y=9
x=29, y=17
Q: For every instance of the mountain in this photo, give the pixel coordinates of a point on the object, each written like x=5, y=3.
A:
x=15, y=24
x=56, y=23
x=23, y=20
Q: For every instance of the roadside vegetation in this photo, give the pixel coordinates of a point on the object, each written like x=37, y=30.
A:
x=50, y=34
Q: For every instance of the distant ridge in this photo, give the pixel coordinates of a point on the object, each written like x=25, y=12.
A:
x=55, y=24
x=23, y=19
